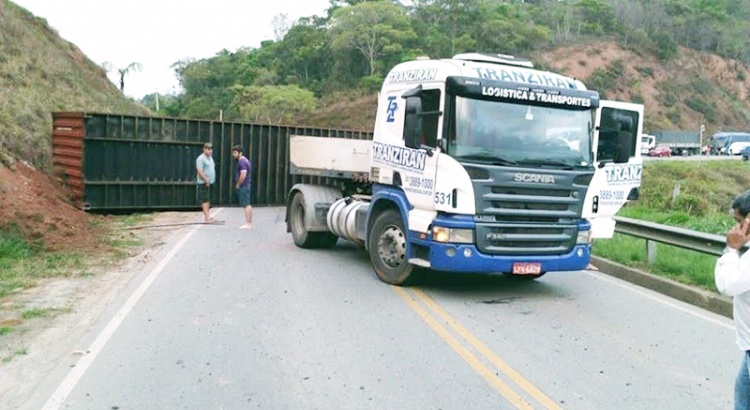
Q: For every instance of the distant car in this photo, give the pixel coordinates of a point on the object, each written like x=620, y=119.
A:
x=660, y=151
x=745, y=153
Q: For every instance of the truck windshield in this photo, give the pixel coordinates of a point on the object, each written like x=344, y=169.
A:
x=505, y=133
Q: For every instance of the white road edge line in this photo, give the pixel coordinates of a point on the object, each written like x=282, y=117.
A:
x=77, y=372
x=635, y=289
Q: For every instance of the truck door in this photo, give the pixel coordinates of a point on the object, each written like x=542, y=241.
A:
x=422, y=125
x=618, y=164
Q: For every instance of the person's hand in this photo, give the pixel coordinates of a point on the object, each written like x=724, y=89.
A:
x=207, y=184
x=739, y=235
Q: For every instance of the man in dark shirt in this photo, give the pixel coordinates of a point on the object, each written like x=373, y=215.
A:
x=242, y=184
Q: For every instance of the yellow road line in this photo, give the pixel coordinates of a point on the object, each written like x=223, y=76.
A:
x=527, y=386
x=465, y=354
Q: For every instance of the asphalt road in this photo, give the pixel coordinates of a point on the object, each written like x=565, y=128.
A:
x=233, y=319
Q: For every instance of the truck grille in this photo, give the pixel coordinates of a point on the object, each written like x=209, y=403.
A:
x=529, y=218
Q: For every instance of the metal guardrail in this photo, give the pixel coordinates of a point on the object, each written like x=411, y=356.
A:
x=683, y=238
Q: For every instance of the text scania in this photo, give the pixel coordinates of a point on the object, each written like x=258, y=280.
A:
x=399, y=156
x=623, y=173
x=538, y=178
x=525, y=95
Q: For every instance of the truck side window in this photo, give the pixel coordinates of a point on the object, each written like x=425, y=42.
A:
x=617, y=128
x=421, y=119
x=431, y=107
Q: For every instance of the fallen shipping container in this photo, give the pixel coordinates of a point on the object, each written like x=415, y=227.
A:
x=120, y=162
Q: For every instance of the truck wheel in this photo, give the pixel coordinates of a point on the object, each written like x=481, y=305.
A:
x=302, y=237
x=387, y=248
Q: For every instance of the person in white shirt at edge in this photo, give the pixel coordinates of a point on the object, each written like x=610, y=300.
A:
x=732, y=277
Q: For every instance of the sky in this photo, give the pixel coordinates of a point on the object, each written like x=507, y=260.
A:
x=158, y=33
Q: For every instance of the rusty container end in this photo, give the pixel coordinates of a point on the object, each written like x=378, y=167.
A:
x=68, y=132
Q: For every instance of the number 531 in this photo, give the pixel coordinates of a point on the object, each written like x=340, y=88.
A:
x=442, y=198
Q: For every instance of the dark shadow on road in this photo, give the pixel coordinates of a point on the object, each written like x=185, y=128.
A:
x=479, y=288
x=489, y=289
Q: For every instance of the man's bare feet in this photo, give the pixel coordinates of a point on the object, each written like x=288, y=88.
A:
x=591, y=267
x=246, y=226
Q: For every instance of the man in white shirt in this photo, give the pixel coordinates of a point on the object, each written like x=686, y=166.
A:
x=732, y=277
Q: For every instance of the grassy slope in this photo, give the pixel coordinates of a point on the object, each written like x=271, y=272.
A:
x=41, y=73
x=706, y=189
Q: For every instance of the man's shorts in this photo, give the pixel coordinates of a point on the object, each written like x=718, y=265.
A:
x=244, y=194
x=203, y=194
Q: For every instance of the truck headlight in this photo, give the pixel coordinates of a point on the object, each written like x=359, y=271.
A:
x=584, y=237
x=443, y=234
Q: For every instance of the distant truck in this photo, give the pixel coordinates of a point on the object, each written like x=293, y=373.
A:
x=681, y=142
x=729, y=142
x=648, y=142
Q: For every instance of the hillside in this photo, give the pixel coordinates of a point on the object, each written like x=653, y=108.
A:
x=41, y=73
x=679, y=94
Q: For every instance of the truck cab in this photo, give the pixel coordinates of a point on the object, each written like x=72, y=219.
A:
x=648, y=142
x=507, y=155
x=480, y=163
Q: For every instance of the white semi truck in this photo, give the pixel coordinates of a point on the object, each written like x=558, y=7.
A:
x=478, y=163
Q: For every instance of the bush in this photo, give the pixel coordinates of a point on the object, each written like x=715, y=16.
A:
x=606, y=79
x=371, y=83
x=647, y=71
x=700, y=104
x=674, y=115
x=666, y=47
x=691, y=205
x=667, y=98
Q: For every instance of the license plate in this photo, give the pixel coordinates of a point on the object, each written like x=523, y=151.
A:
x=524, y=268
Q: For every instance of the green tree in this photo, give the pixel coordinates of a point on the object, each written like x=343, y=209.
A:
x=375, y=29
x=163, y=105
x=305, y=56
x=508, y=29
x=597, y=17
x=444, y=26
x=272, y=104
x=207, y=82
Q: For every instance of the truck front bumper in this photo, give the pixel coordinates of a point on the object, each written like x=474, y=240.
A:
x=466, y=258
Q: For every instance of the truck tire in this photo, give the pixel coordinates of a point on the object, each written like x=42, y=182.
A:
x=302, y=237
x=387, y=248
